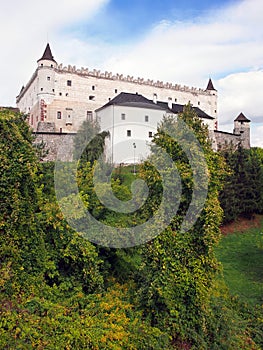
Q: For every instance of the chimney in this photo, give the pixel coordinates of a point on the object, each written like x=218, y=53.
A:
x=170, y=103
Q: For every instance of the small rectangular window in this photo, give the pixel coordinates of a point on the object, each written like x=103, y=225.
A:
x=93, y=87
x=150, y=134
x=123, y=116
x=128, y=133
x=58, y=115
x=146, y=118
x=69, y=121
x=116, y=91
x=48, y=78
x=91, y=98
x=89, y=115
x=69, y=82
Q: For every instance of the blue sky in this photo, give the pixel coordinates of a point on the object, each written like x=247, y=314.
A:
x=127, y=20
x=183, y=42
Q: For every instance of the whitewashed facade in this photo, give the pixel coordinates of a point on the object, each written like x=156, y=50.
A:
x=65, y=96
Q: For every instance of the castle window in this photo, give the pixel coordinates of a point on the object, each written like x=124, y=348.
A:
x=198, y=103
x=89, y=115
x=51, y=65
x=53, y=90
x=41, y=65
x=58, y=114
x=48, y=78
x=215, y=110
x=60, y=94
x=175, y=100
x=150, y=134
x=41, y=89
x=128, y=133
x=66, y=94
x=116, y=91
x=69, y=121
x=146, y=118
x=123, y=116
x=69, y=82
x=91, y=98
x=93, y=87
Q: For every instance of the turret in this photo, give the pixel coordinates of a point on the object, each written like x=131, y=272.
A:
x=242, y=128
x=212, y=111
x=46, y=78
x=47, y=60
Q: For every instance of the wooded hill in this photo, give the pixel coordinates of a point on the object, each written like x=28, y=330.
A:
x=60, y=291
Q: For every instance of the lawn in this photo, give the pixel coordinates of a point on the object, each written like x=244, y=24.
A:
x=241, y=254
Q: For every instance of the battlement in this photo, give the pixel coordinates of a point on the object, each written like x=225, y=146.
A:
x=130, y=79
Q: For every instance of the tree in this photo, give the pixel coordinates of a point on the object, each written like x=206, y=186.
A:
x=242, y=191
x=90, y=141
x=179, y=266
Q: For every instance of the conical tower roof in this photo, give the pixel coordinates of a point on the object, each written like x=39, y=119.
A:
x=241, y=118
x=47, y=55
x=210, y=85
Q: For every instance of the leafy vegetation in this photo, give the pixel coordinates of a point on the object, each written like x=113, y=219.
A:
x=59, y=291
x=243, y=189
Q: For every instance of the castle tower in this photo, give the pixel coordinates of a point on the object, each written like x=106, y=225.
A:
x=213, y=104
x=46, y=76
x=242, y=128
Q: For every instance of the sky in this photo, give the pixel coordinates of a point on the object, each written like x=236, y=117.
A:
x=179, y=41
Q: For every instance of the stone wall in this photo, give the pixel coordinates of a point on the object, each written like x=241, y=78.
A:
x=57, y=146
x=224, y=139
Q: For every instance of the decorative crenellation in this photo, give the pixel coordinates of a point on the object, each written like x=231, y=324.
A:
x=109, y=75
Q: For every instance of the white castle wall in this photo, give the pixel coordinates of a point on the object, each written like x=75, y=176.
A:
x=120, y=147
x=90, y=90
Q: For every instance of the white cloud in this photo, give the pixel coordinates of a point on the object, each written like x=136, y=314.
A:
x=257, y=136
x=242, y=92
x=25, y=26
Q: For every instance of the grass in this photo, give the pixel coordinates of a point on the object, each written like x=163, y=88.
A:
x=126, y=174
x=241, y=255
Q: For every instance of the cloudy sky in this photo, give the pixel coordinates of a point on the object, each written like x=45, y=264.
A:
x=179, y=41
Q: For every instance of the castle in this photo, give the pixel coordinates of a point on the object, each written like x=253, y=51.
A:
x=58, y=99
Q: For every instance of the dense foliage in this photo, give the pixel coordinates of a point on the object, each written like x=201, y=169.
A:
x=59, y=291
x=243, y=187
